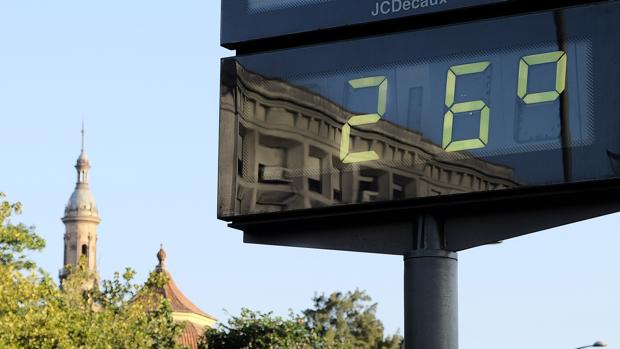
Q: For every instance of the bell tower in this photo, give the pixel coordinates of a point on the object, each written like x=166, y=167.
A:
x=81, y=219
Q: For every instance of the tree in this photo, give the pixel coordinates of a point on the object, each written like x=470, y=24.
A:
x=348, y=321
x=259, y=330
x=16, y=239
x=338, y=321
x=36, y=313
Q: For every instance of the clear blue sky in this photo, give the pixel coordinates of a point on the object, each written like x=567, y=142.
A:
x=144, y=75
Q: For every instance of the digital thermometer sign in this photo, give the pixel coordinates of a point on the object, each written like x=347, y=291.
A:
x=522, y=101
x=247, y=20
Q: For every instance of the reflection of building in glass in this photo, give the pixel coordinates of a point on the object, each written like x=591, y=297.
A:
x=288, y=148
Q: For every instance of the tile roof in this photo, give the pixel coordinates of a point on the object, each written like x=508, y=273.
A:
x=181, y=305
x=190, y=336
x=178, y=301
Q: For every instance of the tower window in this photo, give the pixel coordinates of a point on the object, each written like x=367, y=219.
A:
x=85, y=250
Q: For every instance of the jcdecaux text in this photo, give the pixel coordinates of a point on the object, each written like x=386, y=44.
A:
x=395, y=6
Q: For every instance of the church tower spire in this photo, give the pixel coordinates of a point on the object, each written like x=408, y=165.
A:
x=81, y=219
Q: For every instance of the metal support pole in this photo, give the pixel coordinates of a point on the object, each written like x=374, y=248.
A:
x=431, y=292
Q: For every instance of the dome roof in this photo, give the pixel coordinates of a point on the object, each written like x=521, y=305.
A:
x=183, y=310
x=83, y=158
x=81, y=203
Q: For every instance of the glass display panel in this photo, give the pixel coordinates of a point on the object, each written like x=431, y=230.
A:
x=245, y=20
x=521, y=101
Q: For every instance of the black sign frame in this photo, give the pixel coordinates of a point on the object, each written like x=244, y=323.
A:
x=466, y=221
x=242, y=24
x=470, y=221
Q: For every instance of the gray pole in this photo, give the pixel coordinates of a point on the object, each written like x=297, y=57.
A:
x=431, y=295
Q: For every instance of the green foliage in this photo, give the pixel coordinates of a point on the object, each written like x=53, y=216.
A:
x=16, y=239
x=261, y=331
x=36, y=313
x=348, y=321
x=339, y=321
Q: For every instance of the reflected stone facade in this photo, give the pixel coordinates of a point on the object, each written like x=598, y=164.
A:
x=287, y=145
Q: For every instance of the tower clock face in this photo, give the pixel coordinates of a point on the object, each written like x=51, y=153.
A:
x=522, y=101
x=245, y=20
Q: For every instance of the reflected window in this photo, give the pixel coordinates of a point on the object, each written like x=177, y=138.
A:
x=314, y=170
x=336, y=179
x=368, y=188
x=240, y=162
x=402, y=187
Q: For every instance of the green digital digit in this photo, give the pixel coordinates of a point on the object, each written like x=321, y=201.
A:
x=557, y=57
x=449, y=144
x=347, y=157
